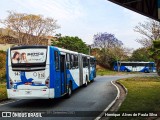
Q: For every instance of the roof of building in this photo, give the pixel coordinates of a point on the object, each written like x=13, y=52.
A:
x=149, y=8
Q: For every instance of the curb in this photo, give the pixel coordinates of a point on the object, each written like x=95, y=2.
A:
x=111, y=104
x=125, y=89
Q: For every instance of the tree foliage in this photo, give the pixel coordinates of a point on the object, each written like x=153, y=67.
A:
x=108, y=49
x=141, y=54
x=155, y=54
x=70, y=43
x=29, y=27
x=151, y=39
x=106, y=40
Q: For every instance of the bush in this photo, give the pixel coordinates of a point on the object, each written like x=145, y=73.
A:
x=2, y=65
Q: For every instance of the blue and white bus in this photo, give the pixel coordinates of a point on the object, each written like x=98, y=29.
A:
x=44, y=72
x=135, y=66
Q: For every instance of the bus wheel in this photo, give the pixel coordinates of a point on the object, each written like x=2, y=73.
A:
x=146, y=71
x=92, y=80
x=125, y=70
x=69, y=90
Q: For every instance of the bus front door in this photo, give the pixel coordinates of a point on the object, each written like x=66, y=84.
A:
x=63, y=74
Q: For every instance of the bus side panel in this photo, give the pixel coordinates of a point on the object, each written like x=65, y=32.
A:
x=145, y=69
x=73, y=76
x=115, y=68
x=126, y=68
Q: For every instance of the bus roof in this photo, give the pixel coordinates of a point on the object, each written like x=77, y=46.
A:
x=135, y=62
x=28, y=46
x=60, y=49
x=65, y=50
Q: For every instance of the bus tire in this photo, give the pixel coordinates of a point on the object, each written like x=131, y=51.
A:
x=125, y=70
x=69, y=93
x=92, y=80
x=145, y=71
x=86, y=82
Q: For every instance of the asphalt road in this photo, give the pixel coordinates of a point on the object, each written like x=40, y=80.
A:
x=87, y=101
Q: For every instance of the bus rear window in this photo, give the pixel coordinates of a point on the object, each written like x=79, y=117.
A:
x=28, y=56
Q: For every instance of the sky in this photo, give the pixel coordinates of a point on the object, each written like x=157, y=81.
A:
x=82, y=18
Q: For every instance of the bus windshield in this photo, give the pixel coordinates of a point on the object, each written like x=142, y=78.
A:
x=28, y=56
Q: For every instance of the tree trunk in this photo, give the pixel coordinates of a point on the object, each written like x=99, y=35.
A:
x=158, y=67
x=117, y=66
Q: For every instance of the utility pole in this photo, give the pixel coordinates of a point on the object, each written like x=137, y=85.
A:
x=89, y=50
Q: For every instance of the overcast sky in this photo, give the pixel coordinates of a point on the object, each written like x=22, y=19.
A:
x=82, y=18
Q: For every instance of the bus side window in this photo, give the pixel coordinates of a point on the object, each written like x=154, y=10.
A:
x=85, y=62
x=56, y=58
x=68, y=61
x=75, y=61
x=72, y=61
x=92, y=62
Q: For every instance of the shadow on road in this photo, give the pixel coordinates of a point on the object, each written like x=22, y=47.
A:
x=43, y=103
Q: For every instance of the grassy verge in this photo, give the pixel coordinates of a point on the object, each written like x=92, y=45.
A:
x=102, y=72
x=143, y=96
x=3, y=91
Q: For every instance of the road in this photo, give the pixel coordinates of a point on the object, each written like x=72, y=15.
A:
x=95, y=97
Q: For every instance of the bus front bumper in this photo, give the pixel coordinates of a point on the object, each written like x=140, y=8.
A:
x=30, y=94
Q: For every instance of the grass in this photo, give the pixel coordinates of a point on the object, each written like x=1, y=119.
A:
x=143, y=96
x=3, y=91
x=102, y=72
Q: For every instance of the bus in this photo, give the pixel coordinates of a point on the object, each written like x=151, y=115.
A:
x=46, y=72
x=132, y=66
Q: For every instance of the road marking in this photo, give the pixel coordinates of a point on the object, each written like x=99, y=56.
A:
x=8, y=102
x=110, y=105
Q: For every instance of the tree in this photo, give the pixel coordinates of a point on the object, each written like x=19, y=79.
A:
x=29, y=27
x=106, y=40
x=150, y=31
x=71, y=43
x=155, y=54
x=141, y=54
x=109, y=49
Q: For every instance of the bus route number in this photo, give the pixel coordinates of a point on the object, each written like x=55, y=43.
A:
x=41, y=75
x=17, y=73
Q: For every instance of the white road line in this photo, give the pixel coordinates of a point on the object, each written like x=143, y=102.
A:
x=8, y=102
x=110, y=105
